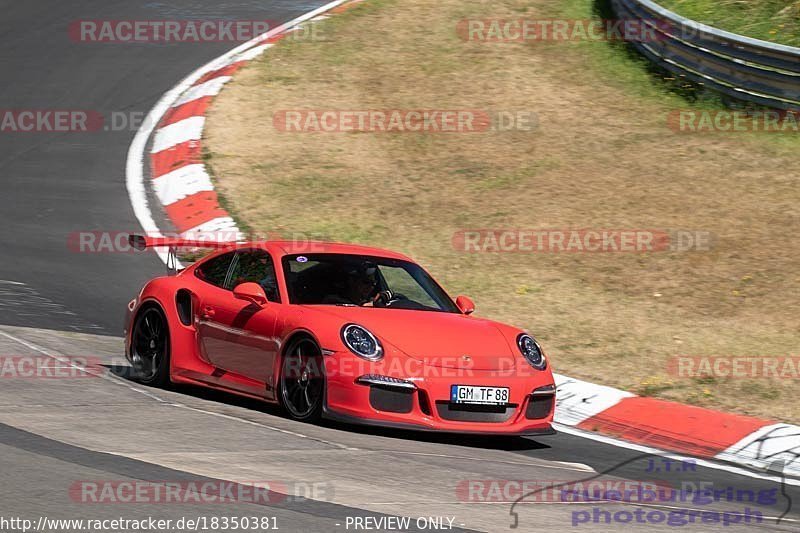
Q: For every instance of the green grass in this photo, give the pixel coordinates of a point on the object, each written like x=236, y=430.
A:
x=776, y=21
x=622, y=66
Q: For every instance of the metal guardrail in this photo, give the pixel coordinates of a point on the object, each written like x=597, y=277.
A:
x=747, y=69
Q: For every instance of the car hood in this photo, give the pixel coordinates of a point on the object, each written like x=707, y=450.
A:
x=447, y=340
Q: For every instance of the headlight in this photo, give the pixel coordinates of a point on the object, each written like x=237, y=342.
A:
x=531, y=351
x=361, y=342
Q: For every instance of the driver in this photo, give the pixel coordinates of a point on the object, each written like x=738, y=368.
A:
x=361, y=286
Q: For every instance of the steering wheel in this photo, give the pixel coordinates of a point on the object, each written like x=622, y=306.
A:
x=387, y=298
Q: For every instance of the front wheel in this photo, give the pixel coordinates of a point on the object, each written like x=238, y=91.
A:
x=150, y=348
x=302, y=382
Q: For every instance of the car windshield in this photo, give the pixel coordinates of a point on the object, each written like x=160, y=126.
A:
x=363, y=281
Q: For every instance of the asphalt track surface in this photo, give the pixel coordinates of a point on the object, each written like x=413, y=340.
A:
x=56, y=184
x=55, y=433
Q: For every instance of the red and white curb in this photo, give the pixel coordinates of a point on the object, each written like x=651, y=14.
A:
x=179, y=179
x=742, y=440
x=184, y=188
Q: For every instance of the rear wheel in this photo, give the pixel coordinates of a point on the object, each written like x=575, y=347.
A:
x=302, y=382
x=150, y=348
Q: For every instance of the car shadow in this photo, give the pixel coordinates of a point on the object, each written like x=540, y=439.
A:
x=487, y=442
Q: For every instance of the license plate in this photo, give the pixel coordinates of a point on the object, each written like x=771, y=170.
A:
x=481, y=395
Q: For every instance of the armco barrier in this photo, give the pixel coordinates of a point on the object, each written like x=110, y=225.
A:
x=743, y=68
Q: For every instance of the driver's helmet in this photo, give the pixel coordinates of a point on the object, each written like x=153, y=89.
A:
x=364, y=274
x=364, y=271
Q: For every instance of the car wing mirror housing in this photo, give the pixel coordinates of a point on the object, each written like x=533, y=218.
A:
x=465, y=304
x=251, y=292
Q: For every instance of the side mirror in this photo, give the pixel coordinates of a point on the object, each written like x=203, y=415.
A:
x=251, y=292
x=465, y=304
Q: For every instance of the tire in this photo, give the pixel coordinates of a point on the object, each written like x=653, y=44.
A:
x=302, y=390
x=150, y=347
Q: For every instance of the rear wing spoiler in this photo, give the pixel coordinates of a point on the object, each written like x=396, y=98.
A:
x=142, y=243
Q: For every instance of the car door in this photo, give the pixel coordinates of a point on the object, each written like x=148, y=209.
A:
x=212, y=337
x=238, y=336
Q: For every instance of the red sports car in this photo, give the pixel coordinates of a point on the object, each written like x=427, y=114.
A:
x=345, y=332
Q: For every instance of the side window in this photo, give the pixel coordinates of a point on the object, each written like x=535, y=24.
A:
x=256, y=266
x=215, y=271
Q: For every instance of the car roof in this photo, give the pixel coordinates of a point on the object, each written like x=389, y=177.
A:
x=321, y=247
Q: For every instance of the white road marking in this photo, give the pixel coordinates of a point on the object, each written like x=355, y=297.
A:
x=225, y=229
x=120, y=381
x=279, y=430
x=65, y=360
x=25, y=301
x=766, y=445
x=578, y=400
x=210, y=88
x=253, y=53
x=188, y=129
x=556, y=465
x=178, y=184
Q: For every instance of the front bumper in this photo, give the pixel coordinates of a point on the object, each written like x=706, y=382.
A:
x=426, y=406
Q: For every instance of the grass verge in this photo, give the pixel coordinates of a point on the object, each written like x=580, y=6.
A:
x=776, y=21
